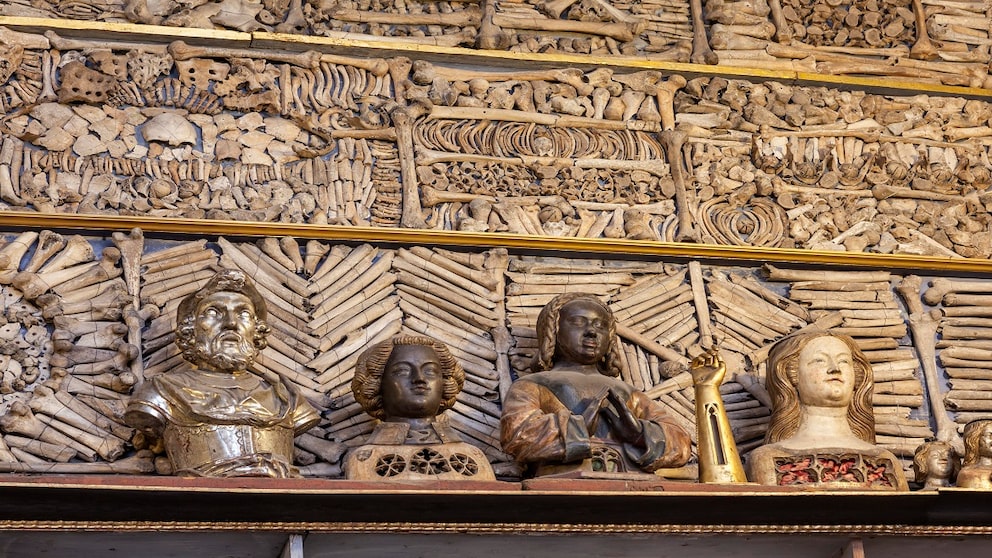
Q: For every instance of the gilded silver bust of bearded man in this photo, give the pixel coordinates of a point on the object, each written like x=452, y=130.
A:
x=217, y=418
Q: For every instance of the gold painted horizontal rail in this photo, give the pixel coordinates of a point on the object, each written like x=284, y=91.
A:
x=595, y=246
x=497, y=528
x=126, y=31
x=346, y=43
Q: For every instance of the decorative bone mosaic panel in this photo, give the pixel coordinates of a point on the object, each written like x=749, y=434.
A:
x=261, y=135
x=88, y=319
x=930, y=41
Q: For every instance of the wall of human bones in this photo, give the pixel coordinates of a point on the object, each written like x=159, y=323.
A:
x=264, y=135
x=948, y=40
x=124, y=126
x=74, y=344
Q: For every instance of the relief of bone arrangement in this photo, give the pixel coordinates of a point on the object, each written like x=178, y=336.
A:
x=182, y=130
x=929, y=41
x=89, y=319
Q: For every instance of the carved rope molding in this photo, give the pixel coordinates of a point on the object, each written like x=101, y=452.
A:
x=503, y=528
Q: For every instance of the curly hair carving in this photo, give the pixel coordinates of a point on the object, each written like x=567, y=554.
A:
x=922, y=456
x=226, y=280
x=367, y=383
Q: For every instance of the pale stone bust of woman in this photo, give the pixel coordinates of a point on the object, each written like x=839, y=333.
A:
x=822, y=429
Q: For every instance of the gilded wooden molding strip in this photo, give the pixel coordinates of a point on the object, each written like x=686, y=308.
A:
x=501, y=528
x=342, y=41
x=599, y=246
x=126, y=31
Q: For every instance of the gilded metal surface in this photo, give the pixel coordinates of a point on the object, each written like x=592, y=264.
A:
x=465, y=55
x=230, y=449
x=126, y=31
x=719, y=460
x=976, y=470
x=201, y=227
x=218, y=419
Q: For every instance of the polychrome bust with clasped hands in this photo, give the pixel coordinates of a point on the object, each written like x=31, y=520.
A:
x=573, y=415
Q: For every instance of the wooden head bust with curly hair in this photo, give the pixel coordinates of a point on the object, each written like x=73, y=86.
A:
x=373, y=364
